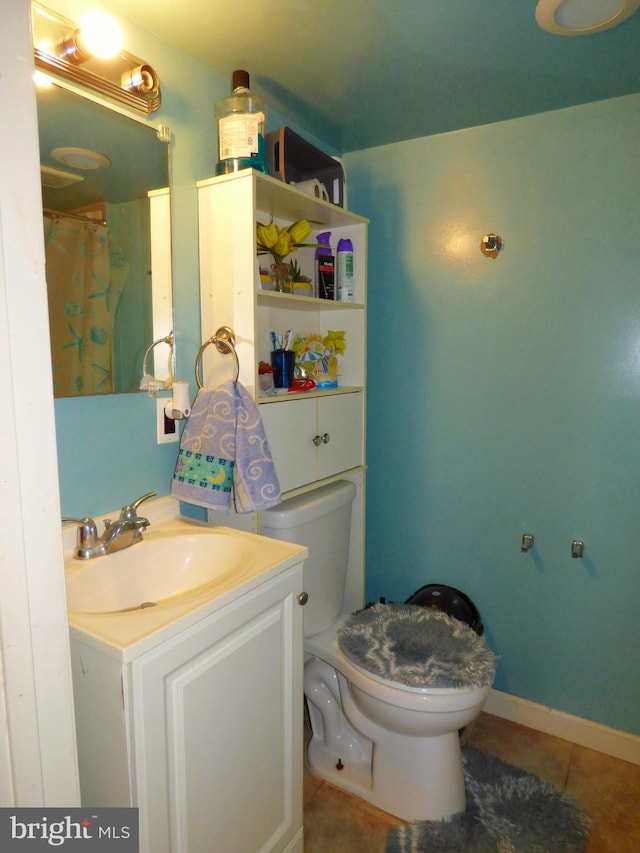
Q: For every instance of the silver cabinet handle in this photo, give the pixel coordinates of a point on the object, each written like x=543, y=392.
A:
x=302, y=598
x=317, y=440
x=326, y=438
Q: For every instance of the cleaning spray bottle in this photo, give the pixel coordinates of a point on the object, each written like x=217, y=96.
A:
x=344, y=270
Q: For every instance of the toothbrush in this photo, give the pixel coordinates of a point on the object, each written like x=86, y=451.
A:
x=274, y=342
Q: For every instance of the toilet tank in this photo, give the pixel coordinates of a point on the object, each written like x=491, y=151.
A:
x=320, y=520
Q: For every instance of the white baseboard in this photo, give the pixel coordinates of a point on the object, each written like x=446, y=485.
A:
x=575, y=729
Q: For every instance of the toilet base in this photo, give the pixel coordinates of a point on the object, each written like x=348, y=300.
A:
x=399, y=786
x=413, y=778
x=353, y=776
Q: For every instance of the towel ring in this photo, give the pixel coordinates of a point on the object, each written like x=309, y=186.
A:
x=224, y=341
x=146, y=376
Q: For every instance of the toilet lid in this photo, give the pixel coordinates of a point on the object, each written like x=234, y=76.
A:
x=417, y=646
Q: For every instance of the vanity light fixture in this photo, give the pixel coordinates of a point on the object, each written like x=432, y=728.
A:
x=98, y=35
x=91, y=56
x=142, y=79
x=582, y=17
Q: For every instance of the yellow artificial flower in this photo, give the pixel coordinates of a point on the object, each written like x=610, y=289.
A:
x=299, y=231
x=268, y=235
x=283, y=244
x=279, y=242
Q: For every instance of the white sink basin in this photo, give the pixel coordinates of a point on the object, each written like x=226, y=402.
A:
x=167, y=567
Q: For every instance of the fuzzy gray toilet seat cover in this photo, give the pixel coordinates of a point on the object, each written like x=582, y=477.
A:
x=417, y=646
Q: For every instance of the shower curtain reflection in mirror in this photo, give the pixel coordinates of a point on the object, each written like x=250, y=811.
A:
x=86, y=272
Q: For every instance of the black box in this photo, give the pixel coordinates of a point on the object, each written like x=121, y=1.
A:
x=292, y=159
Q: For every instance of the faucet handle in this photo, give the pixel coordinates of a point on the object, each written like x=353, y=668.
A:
x=87, y=531
x=131, y=510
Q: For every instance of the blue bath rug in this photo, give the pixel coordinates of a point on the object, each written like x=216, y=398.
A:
x=508, y=811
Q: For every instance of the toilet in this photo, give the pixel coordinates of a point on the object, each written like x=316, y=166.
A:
x=391, y=743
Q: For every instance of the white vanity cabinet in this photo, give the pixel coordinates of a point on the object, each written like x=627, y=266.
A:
x=202, y=731
x=231, y=295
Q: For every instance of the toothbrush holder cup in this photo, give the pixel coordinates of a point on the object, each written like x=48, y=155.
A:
x=283, y=362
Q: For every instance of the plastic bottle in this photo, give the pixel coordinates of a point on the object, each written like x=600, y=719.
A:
x=241, y=119
x=344, y=270
x=323, y=268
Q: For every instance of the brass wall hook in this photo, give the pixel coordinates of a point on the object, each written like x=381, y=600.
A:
x=527, y=542
x=490, y=245
x=577, y=548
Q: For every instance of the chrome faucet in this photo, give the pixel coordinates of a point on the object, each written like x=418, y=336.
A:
x=121, y=533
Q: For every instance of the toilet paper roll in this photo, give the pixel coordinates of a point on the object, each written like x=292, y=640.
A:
x=313, y=187
x=179, y=406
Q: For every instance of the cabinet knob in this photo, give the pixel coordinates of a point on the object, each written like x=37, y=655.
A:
x=302, y=597
x=326, y=438
x=317, y=440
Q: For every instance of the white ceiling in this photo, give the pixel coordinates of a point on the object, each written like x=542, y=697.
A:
x=361, y=73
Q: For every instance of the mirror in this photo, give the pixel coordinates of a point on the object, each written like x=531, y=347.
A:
x=107, y=233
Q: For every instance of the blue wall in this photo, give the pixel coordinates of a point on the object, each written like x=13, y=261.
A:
x=504, y=395
x=107, y=451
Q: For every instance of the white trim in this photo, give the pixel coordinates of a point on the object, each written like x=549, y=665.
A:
x=37, y=733
x=583, y=732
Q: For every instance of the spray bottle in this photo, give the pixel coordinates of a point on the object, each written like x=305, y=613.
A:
x=344, y=270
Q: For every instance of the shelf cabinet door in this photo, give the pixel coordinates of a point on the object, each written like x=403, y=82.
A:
x=290, y=428
x=336, y=422
x=341, y=419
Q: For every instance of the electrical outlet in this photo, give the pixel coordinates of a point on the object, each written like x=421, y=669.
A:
x=167, y=428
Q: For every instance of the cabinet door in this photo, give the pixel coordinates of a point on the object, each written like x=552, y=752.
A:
x=339, y=425
x=290, y=428
x=314, y=438
x=218, y=729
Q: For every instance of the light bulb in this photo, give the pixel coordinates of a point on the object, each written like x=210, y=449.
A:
x=101, y=35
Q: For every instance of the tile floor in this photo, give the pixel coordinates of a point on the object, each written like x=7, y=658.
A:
x=606, y=788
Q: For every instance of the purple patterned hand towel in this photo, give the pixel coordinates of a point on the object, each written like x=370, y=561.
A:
x=224, y=451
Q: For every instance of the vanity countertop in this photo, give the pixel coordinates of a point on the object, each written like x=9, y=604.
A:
x=126, y=635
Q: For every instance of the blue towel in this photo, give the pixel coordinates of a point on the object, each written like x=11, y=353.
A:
x=224, y=451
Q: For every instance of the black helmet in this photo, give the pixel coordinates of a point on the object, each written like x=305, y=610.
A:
x=450, y=601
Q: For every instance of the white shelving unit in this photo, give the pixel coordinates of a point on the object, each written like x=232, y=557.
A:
x=316, y=436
